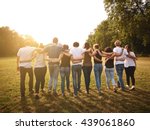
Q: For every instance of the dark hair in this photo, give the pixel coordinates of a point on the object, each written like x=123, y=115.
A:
x=75, y=44
x=86, y=45
x=55, y=40
x=65, y=47
x=128, y=47
x=108, y=49
x=96, y=46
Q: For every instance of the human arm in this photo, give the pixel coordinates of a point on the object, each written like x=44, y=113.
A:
x=77, y=59
x=66, y=53
x=132, y=57
x=97, y=59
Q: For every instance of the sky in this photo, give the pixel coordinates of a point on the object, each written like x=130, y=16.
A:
x=69, y=20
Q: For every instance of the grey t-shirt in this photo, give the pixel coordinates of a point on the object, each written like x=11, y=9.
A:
x=53, y=51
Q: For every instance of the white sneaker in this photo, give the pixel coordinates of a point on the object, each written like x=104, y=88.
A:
x=132, y=88
x=127, y=86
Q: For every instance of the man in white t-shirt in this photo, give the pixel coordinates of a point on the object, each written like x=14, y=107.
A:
x=24, y=65
x=76, y=58
x=119, y=62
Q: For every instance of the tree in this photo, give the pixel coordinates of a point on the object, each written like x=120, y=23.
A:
x=128, y=21
x=11, y=41
x=132, y=18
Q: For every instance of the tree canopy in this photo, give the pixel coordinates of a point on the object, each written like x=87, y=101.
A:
x=11, y=41
x=128, y=21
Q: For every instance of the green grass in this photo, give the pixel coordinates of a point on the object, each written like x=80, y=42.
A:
x=129, y=101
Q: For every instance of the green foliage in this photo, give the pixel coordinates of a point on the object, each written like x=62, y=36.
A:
x=11, y=41
x=128, y=20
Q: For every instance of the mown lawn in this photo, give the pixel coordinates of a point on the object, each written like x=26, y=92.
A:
x=129, y=101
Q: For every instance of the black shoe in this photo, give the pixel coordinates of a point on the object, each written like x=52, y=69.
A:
x=115, y=90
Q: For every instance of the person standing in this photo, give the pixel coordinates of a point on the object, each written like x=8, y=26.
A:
x=119, y=62
x=40, y=71
x=53, y=51
x=109, y=69
x=87, y=66
x=24, y=65
x=98, y=67
x=130, y=66
x=76, y=58
x=65, y=69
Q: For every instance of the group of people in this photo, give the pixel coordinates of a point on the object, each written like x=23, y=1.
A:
x=62, y=60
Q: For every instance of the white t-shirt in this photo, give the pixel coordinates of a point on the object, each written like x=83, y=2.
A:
x=123, y=56
x=77, y=52
x=40, y=60
x=129, y=61
x=26, y=53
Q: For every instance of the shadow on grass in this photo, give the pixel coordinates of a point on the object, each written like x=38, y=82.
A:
x=128, y=101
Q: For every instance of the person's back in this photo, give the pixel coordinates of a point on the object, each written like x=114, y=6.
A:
x=40, y=60
x=87, y=59
x=65, y=61
x=129, y=61
x=54, y=51
x=25, y=54
x=120, y=59
x=77, y=52
x=97, y=55
x=109, y=63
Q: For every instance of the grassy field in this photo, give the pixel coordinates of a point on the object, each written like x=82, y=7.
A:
x=129, y=101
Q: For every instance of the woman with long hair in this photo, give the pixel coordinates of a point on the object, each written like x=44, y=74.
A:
x=65, y=69
x=40, y=69
x=87, y=66
x=130, y=66
x=98, y=67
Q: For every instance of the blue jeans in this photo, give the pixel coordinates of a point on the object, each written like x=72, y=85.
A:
x=65, y=74
x=119, y=70
x=87, y=73
x=76, y=77
x=109, y=72
x=53, y=71
x=97, y=72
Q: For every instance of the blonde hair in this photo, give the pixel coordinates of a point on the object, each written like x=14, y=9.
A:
x=117, y=43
